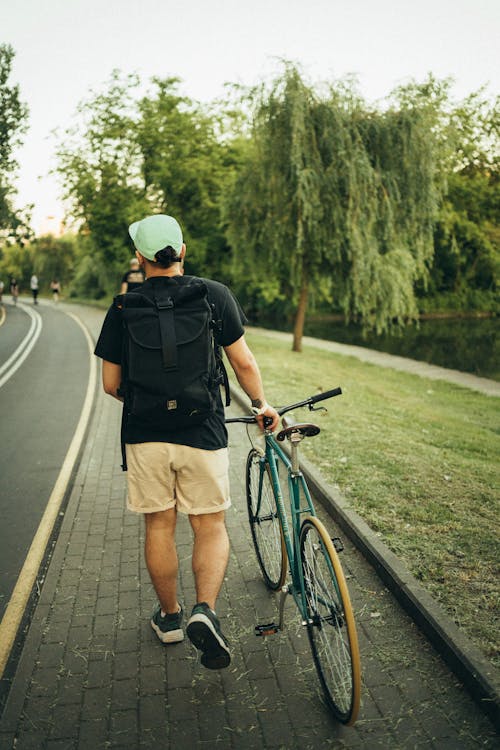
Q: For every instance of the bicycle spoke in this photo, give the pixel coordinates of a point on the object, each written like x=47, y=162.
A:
x=331, y=632
x=264, y=522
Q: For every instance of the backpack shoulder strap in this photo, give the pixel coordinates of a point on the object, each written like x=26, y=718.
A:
x=216, y=324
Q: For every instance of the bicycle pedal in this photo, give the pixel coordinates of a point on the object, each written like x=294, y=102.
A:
x=338, y=544
x=270, y=629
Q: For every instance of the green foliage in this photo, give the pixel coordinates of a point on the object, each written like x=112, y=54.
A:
x=100, y=170
x=330, y=189
x=48, y=257
x=53, y=258
x=17, y=260
x=299, y=197
x=14, y=224
x=466, y=261
x=132, y=156
x=182, y=164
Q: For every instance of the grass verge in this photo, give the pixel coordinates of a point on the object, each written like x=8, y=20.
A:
x=418, y=459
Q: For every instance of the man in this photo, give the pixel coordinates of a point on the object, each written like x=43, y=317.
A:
x=185, y=470
x=133, y=278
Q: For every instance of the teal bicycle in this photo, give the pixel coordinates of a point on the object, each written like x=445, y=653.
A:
x=286, y=533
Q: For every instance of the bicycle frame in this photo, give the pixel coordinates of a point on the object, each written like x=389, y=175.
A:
x=300, y=504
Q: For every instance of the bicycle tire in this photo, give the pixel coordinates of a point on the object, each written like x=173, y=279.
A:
x=330, y=622
x=267, y=534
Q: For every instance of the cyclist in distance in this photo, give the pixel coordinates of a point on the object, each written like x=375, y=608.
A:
x=183, y=469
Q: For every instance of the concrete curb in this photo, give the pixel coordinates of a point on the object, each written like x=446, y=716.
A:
x=462, y=656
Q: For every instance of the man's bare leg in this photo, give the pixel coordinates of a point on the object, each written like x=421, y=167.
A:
x=161, y=557
x=210, y=555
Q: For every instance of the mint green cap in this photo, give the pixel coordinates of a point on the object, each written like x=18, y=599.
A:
x=154, y=233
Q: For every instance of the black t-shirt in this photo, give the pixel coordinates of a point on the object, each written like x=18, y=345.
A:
x=212, y=434
x=133, y=279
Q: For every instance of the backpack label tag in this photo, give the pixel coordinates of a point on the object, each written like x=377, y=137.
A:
x=171, y=405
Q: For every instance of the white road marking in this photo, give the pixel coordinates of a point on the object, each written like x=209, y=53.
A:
x=23, y=350
x=27, y=577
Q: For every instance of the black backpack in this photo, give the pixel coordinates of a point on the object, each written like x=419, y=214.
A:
x=172, y=367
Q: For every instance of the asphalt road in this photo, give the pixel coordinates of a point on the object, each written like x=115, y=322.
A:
x=40, y=405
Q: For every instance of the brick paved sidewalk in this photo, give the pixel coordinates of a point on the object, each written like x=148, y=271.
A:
x=94, y=675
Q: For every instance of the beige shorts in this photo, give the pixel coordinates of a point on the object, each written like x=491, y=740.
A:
x=164, y=475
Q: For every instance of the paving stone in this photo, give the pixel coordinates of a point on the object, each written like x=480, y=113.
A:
x=124, y=695
x=96, y=703
x=65, y=721
x=124, y=728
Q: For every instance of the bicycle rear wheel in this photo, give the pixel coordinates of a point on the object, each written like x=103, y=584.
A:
x=264, y=522
x=331, y=628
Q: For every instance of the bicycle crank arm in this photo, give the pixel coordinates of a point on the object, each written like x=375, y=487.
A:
x=275, y=627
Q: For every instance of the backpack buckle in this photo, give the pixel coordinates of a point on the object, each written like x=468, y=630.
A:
x=166, y=305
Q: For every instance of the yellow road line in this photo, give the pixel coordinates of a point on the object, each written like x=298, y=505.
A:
x=3, y=315
x=19, y=599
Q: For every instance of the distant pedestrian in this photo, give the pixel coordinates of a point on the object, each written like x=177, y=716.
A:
x=14, y=289
x=34, y=288
x=2, y=285
x=55, y=287
x=133, y=278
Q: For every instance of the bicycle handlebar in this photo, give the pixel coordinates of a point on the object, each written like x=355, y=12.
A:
x=283, y=409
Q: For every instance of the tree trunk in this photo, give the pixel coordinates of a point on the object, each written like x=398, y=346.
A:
x=300, y=316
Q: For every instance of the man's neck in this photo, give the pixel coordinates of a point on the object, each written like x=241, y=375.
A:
x=151, y=271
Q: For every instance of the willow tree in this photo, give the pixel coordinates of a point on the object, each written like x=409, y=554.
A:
x=275, y=219
x=335, y=197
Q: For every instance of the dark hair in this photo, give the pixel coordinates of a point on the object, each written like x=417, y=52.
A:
x=166, y=257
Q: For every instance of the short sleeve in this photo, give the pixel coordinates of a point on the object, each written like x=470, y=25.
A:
x=109, y=343
x=233, y=320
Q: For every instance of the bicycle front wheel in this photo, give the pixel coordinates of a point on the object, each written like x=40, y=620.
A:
x=264, y=522
x=330, y=626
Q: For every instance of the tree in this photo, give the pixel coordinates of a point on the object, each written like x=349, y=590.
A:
x=466, y=262
x=129, y=157
x=99, y=164
x=336, y=198
x=54, y=258
x=13, y=123
x=183, y=163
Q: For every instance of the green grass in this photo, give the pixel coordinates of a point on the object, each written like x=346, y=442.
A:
x=418, y=459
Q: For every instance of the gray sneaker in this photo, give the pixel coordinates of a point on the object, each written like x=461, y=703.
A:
x=204, y=632
x=168, y=628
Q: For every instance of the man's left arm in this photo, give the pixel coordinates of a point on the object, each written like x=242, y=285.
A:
x=111, y=378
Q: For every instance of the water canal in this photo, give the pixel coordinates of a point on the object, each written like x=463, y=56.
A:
x=467, y=344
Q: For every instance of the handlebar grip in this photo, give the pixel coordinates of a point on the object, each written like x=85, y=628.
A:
x=326, y=394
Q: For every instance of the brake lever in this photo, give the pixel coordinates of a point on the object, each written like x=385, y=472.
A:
x=317, y=408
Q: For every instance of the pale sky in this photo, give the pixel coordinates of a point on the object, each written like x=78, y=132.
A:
x=65, y=47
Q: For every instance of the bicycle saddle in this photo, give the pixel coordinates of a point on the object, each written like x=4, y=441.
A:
x=305, y=429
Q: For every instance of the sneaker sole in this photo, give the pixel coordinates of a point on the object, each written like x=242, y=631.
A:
x=171, y=636
x=202, y=634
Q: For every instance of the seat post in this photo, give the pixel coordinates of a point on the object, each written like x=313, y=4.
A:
x=295, y=439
